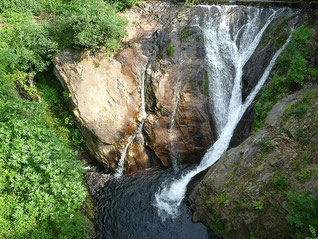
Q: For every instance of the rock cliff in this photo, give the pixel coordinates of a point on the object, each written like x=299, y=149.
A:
x=249, y=191
x=164, y=46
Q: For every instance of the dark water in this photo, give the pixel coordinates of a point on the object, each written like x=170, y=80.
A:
x=126, y=211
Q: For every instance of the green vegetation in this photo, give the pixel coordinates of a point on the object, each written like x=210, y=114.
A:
x=265, y=144
x=257, y=205
x=279, y=182
x=313, y=233
x=170, y=49
x=41, y=186
x=58, y=118
x=185, y=34
x=41, y=182
x=216, y=225
x=91, y=25
x=205, y=85
x=150, y=98
x=123, y=4
x=302, y=210
x=191, y=3
x=291, y=72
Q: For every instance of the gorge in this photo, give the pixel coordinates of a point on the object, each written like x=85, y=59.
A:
x=228, y=52
x=158, y=119
x=194, y=93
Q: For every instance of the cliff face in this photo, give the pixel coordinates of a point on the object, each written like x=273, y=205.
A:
x=253, y=189
x=164, y=47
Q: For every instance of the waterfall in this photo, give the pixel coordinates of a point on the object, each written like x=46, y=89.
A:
x=231, y=35
x=171, y=135
x=177, y=90
x=142, y=112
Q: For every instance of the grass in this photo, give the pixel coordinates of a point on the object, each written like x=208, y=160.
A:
x=170, y=49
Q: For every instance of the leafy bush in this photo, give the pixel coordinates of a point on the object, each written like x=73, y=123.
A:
x=302, y=210
x=279, y=182
x=41, y=184
x=7, y=88
x=91, y=24
x=297, y=70
x=170, y=49
x=26, y=48
x=297, y=46
x=58, y=118
x=289, y=74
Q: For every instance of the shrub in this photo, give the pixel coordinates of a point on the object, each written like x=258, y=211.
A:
x=170, y=49
x=297, y=46
x=290, y=73
x=279, y=182
x=297, y=70
x=91, y=24
x=41, y=184
x=28, y=47
x=302, y=210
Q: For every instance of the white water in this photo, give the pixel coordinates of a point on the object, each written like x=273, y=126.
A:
x=171, y=134
x=228, y=47
x=142, y=111
x=172, y=137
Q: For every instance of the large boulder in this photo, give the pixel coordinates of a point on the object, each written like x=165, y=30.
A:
x=105, y=91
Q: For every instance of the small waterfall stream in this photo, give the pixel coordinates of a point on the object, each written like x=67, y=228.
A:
x=229, y=46
x=143, y=114
x=173, y=156
x=177, y=91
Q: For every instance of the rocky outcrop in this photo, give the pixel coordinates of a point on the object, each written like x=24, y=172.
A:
x=247, y=192
x=179, y=124
x=164, y=46
x=105, y=92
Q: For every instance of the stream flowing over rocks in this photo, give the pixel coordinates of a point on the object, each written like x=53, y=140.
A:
x=167, y=106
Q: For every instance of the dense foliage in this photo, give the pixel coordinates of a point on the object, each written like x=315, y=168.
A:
x=41, y=186
x=31, y=32
x=58, y=118
x=41, y=182
x=291, y=72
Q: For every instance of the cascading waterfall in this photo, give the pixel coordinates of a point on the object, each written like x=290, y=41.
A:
x=174, y=156
x=142, y=110
x=171, y=135
x=228, y=46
